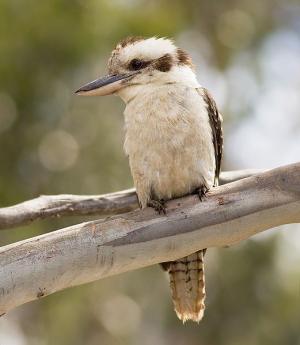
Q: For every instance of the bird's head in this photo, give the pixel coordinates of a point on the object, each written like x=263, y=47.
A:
x=137, y=62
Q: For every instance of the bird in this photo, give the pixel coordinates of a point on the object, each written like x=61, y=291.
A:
x=173, y=139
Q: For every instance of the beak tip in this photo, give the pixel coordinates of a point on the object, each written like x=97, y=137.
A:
x=78, y=92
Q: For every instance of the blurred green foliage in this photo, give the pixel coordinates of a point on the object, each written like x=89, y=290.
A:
x=52, y=142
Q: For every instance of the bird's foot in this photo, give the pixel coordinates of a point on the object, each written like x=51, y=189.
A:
x=159, y=206
x=201, y=192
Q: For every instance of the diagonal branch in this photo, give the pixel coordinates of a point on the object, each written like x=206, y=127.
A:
x=47, y=206
x=89, y=251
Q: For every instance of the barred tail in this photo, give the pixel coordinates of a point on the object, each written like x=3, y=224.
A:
x=188, y=286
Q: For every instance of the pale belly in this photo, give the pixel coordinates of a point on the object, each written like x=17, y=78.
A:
x=174, y=174
x=170, y=148
x=166, y=167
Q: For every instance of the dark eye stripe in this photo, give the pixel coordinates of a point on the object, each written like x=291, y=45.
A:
x=137, y=64
x=164, y=63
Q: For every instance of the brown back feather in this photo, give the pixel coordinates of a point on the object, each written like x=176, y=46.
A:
x=215, y=120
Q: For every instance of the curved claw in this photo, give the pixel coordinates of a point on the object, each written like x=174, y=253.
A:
x=159, y=206
x=201, y=192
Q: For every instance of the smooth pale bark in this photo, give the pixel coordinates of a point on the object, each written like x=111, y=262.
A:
x=89, y=251
x=47, y=206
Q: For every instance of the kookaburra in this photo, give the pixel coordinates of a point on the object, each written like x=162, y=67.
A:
x=173, y=140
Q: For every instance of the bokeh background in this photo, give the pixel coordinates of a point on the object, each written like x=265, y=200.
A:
x=248, y=54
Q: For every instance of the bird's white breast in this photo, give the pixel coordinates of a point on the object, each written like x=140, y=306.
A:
x=169, y=142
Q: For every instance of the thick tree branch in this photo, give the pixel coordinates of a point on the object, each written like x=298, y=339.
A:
x=47, y=206
x=86, y=252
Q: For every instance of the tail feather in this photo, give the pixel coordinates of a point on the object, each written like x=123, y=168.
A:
x=188, y=286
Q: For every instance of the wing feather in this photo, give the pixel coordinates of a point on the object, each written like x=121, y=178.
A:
x=215, y=120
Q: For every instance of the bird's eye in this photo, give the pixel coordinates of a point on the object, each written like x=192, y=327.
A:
x=136, y=64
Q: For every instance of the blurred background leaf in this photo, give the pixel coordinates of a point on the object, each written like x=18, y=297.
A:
x=248, y=54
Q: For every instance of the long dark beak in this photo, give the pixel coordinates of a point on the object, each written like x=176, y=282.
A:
x=105, y=86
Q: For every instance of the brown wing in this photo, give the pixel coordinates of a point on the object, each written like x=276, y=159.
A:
x=215, y=120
